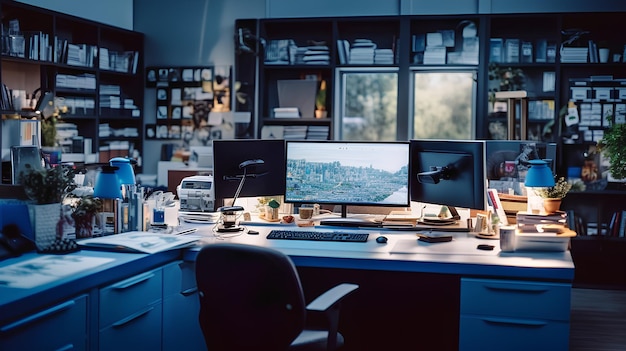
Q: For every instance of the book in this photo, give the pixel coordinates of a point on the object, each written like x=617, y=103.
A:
x=511, y=51
x=494, y=201
x=496, y=50
x=143, y=242
x=526, y=52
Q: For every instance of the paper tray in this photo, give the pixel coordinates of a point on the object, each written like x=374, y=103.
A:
x=541, y=242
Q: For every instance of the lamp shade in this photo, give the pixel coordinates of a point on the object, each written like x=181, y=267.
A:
x=107, y=184
x=539, y=175
x=124, y=170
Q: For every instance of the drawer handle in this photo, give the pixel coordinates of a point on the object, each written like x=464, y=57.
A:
x=526, y=289
x=66, y=347
x=39, y=315
x=132, y=317
x=133, y=281
x=189, y=291
x=515, y=321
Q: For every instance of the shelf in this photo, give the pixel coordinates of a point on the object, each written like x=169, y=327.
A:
x=69, y=38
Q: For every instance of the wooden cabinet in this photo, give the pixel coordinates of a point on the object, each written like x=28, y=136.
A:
x=94, y=70
x=513, y=315
x=63, y=326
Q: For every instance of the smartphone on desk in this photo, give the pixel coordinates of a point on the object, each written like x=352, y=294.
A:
x=434, y=237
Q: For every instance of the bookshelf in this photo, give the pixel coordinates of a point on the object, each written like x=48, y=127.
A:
x=93, y=69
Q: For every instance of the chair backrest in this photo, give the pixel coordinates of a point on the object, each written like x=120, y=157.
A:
x=250, y=298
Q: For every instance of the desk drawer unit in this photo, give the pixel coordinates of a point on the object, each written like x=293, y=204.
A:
x=130, y=313
x=60, y=327
x=514, y=315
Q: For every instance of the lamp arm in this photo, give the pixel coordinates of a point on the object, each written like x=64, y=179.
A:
x=243, y=180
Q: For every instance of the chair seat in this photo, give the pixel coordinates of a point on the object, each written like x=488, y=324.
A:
x=310, y=339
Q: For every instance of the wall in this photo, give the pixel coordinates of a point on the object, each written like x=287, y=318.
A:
x=187, y=33
x=118, y=13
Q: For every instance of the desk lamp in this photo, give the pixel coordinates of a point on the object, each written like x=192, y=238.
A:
x=538, y=176
x=228, y=219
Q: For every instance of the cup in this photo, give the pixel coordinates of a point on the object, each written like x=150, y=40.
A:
x=306, y=212
x=507, y=238
x=617, y=58
x=604, y=55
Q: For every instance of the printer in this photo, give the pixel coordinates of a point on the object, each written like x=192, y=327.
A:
x=196, y=194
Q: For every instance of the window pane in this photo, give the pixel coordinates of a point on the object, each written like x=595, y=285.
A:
x=369, y=106
x=443, y=105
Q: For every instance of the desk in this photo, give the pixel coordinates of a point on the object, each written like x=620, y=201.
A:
x=428, y=296
x=421, y=299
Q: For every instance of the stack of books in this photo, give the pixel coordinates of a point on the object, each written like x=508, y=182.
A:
x=542, y=223
x=574, y=54
x=286, y=112
x=362, y=52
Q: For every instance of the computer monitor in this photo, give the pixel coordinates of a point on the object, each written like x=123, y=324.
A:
x=509, y=158
x=262, y=179
x=347, y=173
x=448, y=172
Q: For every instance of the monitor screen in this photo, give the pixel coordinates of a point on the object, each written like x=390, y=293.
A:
x=347, y=173
x=508, y=159
x=448, y=172
x=264, y=179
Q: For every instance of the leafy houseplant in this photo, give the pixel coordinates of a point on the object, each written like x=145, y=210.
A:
x=320, y=101
x=612, y=145
x=84, y=211
x=558, y=191
x=49, y=185
x=47, y=188
x=553, y=195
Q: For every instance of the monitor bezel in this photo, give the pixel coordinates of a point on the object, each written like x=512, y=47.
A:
x=232, y=152
x=344, y=204
x=475, y=148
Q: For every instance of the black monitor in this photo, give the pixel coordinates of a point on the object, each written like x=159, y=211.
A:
x=347, y=173
x=448, y=172
x=508, y=159
x=234, y=158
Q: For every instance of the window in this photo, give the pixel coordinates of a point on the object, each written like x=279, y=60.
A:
x=368, y=104
x=443, y=104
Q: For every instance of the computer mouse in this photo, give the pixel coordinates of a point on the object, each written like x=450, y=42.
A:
x=381, y=239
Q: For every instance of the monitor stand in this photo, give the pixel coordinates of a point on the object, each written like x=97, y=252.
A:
x=345, y=221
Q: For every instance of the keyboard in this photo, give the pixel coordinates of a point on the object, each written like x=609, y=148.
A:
x=318, y=236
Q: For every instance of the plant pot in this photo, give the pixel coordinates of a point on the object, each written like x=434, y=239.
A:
x=44, y=223
x=321, y=113
x=551, y=205
x=84, y=225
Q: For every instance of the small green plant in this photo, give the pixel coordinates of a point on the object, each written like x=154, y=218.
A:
x=612, y=145
x=48, y=185
x=320, y=99
x=86, y=205
x=558, y=191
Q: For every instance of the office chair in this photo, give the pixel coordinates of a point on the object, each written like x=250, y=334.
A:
x=251, y=299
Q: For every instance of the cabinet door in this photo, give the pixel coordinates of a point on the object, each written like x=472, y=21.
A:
x=130, y=313
x=181, y=306
x=60, y=327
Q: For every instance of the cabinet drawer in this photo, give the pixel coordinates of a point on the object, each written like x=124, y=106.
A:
x=139, y=331
x=130, y=295
x=515, y=299
x=60, y=327
x=179, y=278
x=505, y=333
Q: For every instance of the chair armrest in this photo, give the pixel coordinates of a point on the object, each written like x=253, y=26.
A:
x=332, y=296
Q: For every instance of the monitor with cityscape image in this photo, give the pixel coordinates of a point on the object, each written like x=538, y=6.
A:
x=347, y=173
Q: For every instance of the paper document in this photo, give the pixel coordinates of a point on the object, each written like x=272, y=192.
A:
x=140, y=242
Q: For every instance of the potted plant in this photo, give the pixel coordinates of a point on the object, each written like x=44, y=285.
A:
x=84, y=213
x=552, y=196
x=612, y=145
x=320, y=101
x=46, y=188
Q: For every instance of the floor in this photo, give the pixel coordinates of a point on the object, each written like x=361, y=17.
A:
x=598, y=320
